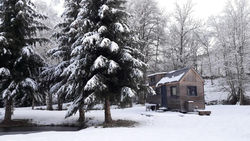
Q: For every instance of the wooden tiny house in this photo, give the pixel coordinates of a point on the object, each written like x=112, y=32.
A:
x=181, y=90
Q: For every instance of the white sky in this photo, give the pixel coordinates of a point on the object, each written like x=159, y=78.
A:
x=58, y=5
x=202, y=8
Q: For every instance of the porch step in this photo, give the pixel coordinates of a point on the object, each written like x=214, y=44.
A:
x=202, y=113
x=163, y=109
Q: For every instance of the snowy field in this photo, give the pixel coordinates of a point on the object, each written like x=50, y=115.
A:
x=226, y=123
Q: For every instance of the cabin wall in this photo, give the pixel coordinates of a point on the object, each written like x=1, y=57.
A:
x=192, y=79
x=173, y=102
x=179, y=102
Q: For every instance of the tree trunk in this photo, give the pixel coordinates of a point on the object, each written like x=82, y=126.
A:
x=49, y=102
x=141, y=97
x=59, y=103
x=241, y=97
x=156, y=54
x=210, y=68
x=33, y=103
x=108, y=118
x=241, y=75
x=81, y=114
x=8, y=110
x=142, y=92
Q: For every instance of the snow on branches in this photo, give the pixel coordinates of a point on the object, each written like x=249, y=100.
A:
x=30, y=83
x=112, y=46
x=3, y=40
x=113, y=66
x=4, y=72
x=102, y=11
x=90, y=38
x=10, y=91
x=102, y=29
x=100, y=62
x=27, y=51
x=127, y=92
x=95, y=83
x=119, y=27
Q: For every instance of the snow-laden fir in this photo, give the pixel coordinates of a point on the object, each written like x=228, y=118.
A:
x=100, y=58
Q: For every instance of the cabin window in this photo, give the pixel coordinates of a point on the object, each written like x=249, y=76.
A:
x=173, y=90
x=192, y=91
x=152, y=79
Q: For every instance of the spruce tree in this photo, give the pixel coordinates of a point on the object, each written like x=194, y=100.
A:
x=19, y=64
x=66, y=37
x=104, y=64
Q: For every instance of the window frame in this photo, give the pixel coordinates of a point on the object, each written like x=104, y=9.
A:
x=192, y=88
x=171, y=91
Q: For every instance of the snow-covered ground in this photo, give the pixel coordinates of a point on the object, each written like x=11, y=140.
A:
x=226, y=123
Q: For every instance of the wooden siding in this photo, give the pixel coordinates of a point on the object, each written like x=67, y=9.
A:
x=173, y=102
x=191, y=79
x=179, y=102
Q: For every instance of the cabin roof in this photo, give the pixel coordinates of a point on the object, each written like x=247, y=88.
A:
x=157, y=73
x=173, y=76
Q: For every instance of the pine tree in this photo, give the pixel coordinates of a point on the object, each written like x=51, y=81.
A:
x=66, y=37
x=103, y=64
x=19, y=65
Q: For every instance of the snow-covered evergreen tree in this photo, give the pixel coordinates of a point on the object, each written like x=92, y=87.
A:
x=19, y=65
x=66, y=37
x=103, y=63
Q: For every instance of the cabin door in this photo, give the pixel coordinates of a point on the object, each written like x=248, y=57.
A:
x=164, y=96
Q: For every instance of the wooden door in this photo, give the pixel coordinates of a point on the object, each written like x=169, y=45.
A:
x=164, y=96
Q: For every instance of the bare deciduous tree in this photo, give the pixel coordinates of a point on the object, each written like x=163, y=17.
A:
x=182, y=40
x=232, y=34
x=148, y=24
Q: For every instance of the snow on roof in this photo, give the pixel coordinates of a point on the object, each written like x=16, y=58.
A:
x=173, y=76
x=157, y=73
x=170, y=79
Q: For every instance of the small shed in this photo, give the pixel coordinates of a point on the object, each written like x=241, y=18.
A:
x=181, y=90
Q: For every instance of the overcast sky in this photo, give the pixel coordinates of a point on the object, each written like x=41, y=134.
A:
x=202, y=8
